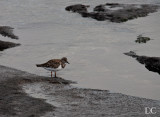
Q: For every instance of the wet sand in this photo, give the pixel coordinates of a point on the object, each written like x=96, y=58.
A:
x=69, y=101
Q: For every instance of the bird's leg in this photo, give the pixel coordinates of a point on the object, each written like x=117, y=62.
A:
x=55, y=75
x=51, y=74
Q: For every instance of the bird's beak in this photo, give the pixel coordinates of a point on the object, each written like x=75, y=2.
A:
x=68, y=62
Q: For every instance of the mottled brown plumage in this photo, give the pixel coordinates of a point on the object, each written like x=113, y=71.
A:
x=54, y=64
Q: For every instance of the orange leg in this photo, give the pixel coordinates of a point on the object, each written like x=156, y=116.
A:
x=55, y=75
x=51, y=74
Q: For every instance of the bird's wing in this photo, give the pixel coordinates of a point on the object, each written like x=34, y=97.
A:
x=7, y=31
x=54, y=63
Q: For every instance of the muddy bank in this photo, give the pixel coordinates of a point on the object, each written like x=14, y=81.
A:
x=151, y=63
x=79, y=102
x=6, y=45
x=114, y=12
x=72, y=101
x=14, y=102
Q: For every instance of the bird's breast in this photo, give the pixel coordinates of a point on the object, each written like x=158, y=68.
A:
x=53, y=69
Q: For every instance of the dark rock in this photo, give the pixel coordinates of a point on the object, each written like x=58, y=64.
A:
x=151, y=63
x=132, y=54
x=100, y=8
x=7, y=31
x=5, y=45
x=85, y=14
x=77, y=8
x=123, y=13
x=99, y=16
x=112, y=4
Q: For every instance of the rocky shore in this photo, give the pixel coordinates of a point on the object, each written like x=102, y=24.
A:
x=5, y=45
x=114, y=12
x=7, y=31
x=151, y=63
x=14, y=102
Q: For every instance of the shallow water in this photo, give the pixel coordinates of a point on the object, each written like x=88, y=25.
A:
x=94, y=49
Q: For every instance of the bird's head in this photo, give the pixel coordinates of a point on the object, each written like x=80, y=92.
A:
x=64, y=59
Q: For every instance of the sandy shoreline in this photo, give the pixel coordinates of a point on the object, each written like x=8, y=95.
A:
x=76, y=102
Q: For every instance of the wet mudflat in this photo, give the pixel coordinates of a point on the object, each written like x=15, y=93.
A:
x=94, y=48
x=51, y=98
x=71, y=101
x=13, y=101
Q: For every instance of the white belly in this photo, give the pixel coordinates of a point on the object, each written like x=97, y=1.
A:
x=53, y=69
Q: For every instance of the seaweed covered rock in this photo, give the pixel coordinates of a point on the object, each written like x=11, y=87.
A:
x=100, y=8
x=98, y=16
x=151, y=63
x=77, y=8
x=142, y=39
x=5, y=45
x=114, y=12
x=7, y=31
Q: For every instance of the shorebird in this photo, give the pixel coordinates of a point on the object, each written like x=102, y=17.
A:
x=54, y=65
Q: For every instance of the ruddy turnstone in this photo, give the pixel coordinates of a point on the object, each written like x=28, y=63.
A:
x=54, y=65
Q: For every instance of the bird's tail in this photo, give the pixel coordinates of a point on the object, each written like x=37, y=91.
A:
x=38, y=65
